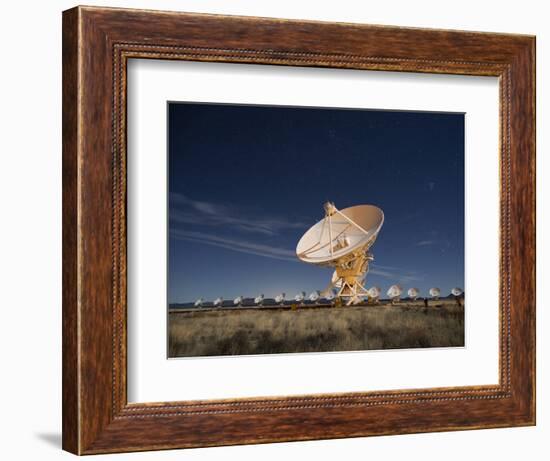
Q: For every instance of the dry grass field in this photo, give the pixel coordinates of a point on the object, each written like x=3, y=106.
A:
x=313, y=329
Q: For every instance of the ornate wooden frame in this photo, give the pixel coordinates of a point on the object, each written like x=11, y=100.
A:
x=97, y=43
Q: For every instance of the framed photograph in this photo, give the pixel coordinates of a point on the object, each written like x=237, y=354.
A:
x=281, y=230
x=236, y=223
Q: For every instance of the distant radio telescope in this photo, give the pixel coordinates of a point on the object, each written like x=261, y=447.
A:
x=300, y=297
x=394, y=293
x=314, y=296
x=413, y=293
x=456, y=291
x=218, y=302
x=374, y=294
x=280, y=299
x=238, y=301
x=259, y=300
x=199, y=302
x=342, y=240
x=435, y=293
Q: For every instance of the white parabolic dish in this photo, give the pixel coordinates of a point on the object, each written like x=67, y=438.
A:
x=315, y=245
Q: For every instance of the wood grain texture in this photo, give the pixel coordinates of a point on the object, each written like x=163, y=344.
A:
x=97, y=43
x=70, y=384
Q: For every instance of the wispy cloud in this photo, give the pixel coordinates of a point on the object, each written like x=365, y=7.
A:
x=241, y=246
x=195, y=212
x=411, y=278
x=395, y=273
x=187, y=211
x=382, y=273
x=424, y=243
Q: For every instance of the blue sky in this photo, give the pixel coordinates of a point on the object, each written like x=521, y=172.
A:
x=245, y=182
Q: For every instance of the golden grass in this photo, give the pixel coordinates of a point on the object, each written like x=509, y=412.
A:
x=247, y=331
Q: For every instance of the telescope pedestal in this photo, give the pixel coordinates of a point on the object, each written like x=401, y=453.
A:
x=350, y=278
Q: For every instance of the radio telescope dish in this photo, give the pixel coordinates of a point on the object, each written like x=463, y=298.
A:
x=435, y=293
x=199, y=302
x=314, y=296
x=374, y=294
x=299, y=298
x=456, y=291
x=218, y=302
x=280, y=299
x=413, y=293
x=342, y=240
x=259, y=300
x=394, y=293
x=238, y=301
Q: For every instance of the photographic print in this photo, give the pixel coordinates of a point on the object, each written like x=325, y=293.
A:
x=310, y=229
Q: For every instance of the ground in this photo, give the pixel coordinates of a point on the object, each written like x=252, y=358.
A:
x=241, y=331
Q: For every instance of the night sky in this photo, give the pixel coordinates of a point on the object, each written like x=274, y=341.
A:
x=245, y=182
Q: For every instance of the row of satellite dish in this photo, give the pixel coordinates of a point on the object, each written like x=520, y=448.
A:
x=279, y=299
x=394, y=293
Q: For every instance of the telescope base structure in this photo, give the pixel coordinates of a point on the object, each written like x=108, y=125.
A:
x=349, y=280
